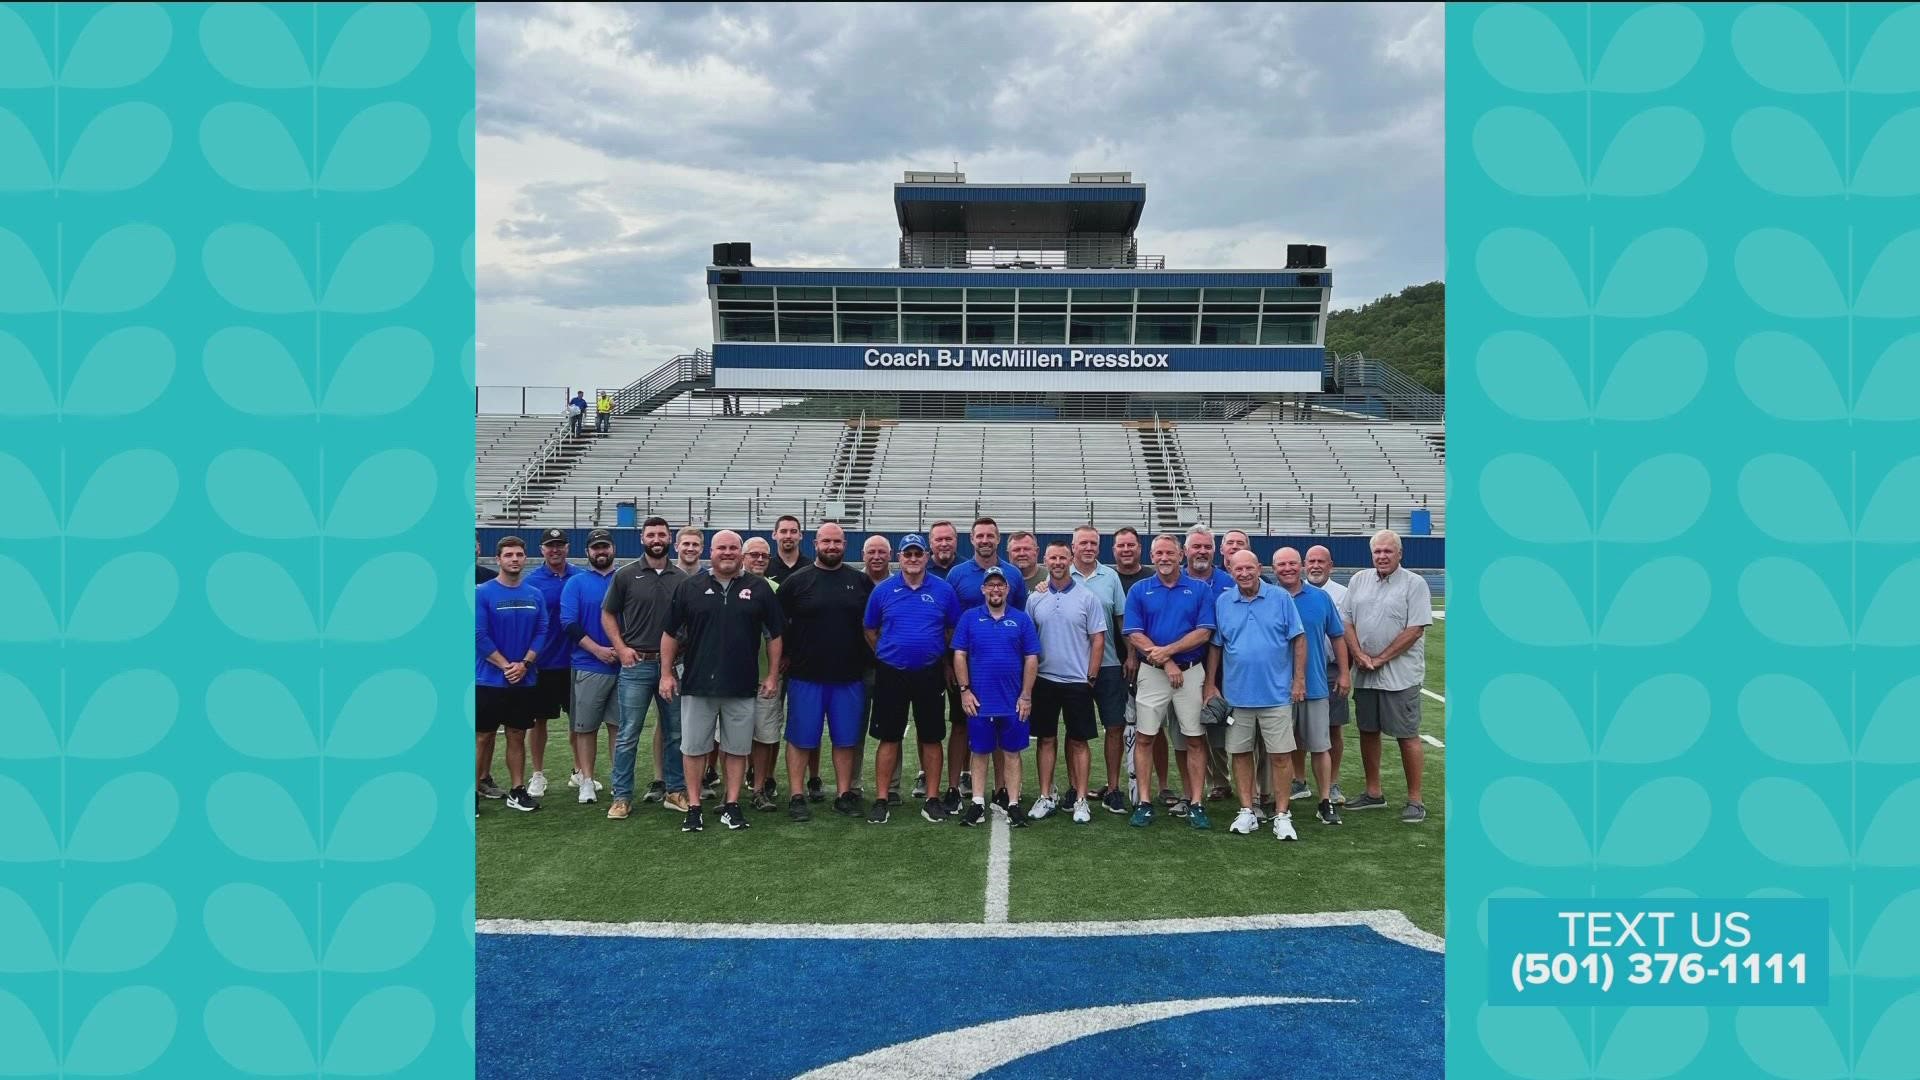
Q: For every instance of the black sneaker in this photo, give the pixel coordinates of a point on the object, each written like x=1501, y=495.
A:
x=692, y=821
x=952, y=801
x=1072, y=797
x=771, y=790
x=1181, y=808
x=490, y=790
x=710, y=783
x=934, y=810
x=1000, y=798
x=656, y=792
x=731, y=817
x=966, y=783
x=858, y=794
x=976, y=813
x=1328, y=814
x=797, y=809
x=765, y=800
x=815, y=792
x=1115, y=802
x=518, y=799
x=1016, y=817
x=877, y=814
x=893, y=798
x=845, y=804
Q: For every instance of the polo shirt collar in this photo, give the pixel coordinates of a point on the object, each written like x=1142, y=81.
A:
x=1242, y=598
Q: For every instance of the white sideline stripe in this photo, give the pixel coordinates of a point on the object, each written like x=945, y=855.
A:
x=971, y=1051
x=1431, y=741
x=1387, y=923
x=1433, y=695
x=1439, y=614
x=999, y=852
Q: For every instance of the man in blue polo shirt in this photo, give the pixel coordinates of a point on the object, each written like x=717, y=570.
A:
x=965, y=578
x=1259, y=659
x=909, y=622
x=996, y=657
x=556, y=653
x=1168, y=621
x=594, y=703
x=509, y=622
x=1203, y=566
x=1326, y=669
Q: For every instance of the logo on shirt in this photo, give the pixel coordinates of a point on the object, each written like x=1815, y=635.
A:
x=1008, y=622
x=746, y=594
x=709, y=592
x=926, y=598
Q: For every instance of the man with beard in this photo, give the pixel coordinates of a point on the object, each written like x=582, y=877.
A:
x=556, y=653
x=510, y=621
x=996, y=656
x=1340, y=686
x=786, y=559
x=909, y=623
x=944, y=539
x=826, y=660
x=724, y=614
x=595, y=702
x=633, y=614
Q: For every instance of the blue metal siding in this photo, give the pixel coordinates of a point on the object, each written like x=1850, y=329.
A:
x=1030, y=279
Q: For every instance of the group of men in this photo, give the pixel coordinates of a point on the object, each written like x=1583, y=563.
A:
x=577, y=411
x=1242, y=681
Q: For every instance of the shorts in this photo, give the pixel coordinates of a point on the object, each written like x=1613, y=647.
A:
x=1337, y=711
x=551, y=689
x=1395, y=713
x=896, y=691
x=1311, y=731
x=842, y=707
x=1273, y=725
x=510, y=707
x=1155, y=697
x=707, y=720
x=596, y=701
x=1110, y=694
x=1050, y=699
x=770, y=716
x=987, y=733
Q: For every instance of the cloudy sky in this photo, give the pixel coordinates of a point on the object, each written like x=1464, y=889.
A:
x=618, y=143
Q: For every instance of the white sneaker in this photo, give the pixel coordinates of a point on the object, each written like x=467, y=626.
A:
x=587, y=791
x=1042, y=806
x=1081, y=815
x=1244, y=822
x=573, y=780
x=1283, y=827
x=537, y=784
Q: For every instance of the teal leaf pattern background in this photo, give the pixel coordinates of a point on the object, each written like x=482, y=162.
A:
x=224, y=216
x=1686, y=500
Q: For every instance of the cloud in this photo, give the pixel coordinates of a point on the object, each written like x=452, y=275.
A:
x=618, y=143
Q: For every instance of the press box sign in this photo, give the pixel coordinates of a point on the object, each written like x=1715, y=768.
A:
x=1016, y=359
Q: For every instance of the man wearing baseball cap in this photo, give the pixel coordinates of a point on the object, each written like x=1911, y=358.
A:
x=909, y=622
x=556, y=653
x=595, y=702
x=996, y=657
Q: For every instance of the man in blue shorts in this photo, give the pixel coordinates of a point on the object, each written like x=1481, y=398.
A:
x=909, y=621
x=509, y=623
x=996, y=657
x=825, y=602
x=965, y=578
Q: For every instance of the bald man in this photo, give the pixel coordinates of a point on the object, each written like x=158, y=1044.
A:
x=1311, y=731
x=827, y=660
x=725, y=615
x=1387, y=611
x=1339, y=683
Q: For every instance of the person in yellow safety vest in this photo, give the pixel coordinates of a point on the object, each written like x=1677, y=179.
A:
x=603, y=420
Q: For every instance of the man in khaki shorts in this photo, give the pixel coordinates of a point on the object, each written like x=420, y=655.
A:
x=1169, y=619
x=1259, y=663
x=1326, y=670
x=1388, y=609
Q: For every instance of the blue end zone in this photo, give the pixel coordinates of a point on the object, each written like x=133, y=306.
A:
x=607, y=1006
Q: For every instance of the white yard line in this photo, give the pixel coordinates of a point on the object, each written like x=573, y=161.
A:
x=1388, y=924
x=1439, y=614
x=999, y=856
x=1431, y=741
x=1433, y=695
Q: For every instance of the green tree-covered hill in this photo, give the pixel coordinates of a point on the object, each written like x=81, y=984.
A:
x=1407, y=330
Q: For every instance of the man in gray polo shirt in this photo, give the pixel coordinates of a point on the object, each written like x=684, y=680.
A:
x=1388, y=610
x=1072, y=623
x=633, y=613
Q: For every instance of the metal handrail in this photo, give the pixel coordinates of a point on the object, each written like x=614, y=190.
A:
x=516, y=487
x=685, y=368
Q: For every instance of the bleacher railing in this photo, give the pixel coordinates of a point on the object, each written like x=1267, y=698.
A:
x=683, y=370
x=513, y=496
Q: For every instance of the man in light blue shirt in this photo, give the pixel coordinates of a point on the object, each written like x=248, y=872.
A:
x=1073, y=632
x=1260, y=651
x=1110, y=686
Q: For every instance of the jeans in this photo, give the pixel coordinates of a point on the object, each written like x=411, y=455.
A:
x=640, y=687
x=600, y=422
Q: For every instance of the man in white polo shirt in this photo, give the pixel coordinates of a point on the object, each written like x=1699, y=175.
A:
x=1387, y=610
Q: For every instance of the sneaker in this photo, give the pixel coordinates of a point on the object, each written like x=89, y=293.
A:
x=1244, y=822
x=656, y=791
x=1000, y=798
x=919, y=785
x=692, y=821
x=619, y=810
x=586, y=791
x=1115, y=802
x=1081, y=815
x=537, y=784
x=1168, y=798
x=490, y=790
x=1364, y=801
x=859, y=796
x=1219, y=793
x=966, y=784
x=749, y=784
x=573, y=778
x=1268, y=808
x=522, y=799
x=878, y=814
x=1299, y=791
x=1142, y=815
x=893, y=798
x=844, y=804
x=1197, y=817
x=952, y=801
x=1070, y=798
x=976, y=813
x=1414, y=814
x=771, y=790
x=710, y=783
x=1043, y=806
x=1335, y=796
x=1016, y=817
x=815, y=792
x=764, y=801
x=677, y=801
x=732, y=818
x=1283, y=827
x=934, y=810
x=1327, y=813
x=1181, y=808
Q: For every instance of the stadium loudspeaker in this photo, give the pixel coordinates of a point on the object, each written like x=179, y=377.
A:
x=1316, y=255
x=742, y=254
x=722, y=254
x=1296, y=256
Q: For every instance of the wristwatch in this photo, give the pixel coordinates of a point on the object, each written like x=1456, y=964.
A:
x=966, y=689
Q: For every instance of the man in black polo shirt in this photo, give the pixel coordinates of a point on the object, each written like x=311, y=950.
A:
x=633, y=614
x=786, y=559
x=825, y=603
x=724, y=614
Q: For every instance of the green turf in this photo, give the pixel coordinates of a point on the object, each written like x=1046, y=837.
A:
x=568, y=862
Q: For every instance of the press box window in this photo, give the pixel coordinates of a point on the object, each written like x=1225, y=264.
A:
x=992, y=329
x=919, y=328
x=1164, y=329
x=1043, y=329
x=1229, y=329
x=806, y=326
x=746, y=326
x=1101, y=330
x=1287, y=330
x=870, y=328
